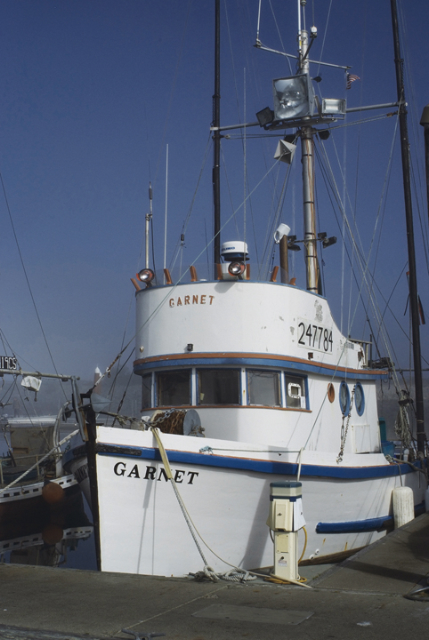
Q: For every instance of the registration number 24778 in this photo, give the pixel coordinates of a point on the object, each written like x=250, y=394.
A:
x=313, y=336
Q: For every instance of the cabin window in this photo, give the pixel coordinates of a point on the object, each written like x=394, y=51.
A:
x=218, y=386
x=173, y=388
x=263, y=388
x=146, y=391
x=295, y=392
x=359, y=399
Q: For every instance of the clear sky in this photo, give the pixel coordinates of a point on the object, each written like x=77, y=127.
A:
x=92, y=91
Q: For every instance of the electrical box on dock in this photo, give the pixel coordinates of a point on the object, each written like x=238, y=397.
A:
x=285, y=519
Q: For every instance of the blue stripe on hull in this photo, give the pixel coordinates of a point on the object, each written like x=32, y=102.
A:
x=362, y=526
x=262, y=466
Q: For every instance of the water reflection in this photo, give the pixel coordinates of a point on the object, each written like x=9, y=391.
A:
x=58, y=535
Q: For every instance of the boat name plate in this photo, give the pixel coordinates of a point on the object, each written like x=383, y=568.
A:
x=181, y=301
x=315, y=336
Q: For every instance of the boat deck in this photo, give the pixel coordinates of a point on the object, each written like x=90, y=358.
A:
x=364, y=591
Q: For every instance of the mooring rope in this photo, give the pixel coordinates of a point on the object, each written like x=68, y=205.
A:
x=234, y=575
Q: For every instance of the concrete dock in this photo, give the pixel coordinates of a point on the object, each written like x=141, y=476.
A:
x=361, y=598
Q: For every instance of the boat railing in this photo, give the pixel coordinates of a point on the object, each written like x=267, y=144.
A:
x=204, y=272
x=22, y=462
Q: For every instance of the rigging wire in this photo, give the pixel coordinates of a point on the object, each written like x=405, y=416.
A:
x=229, y=188
x=188, y=216
x=27, y=277
x=256, y=91
x=363, y=264
x=414, y=120
x=195, y=261
x=173, y=87
x=324, y=34
x=279, y=35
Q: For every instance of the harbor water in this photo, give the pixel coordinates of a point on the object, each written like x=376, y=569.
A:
x=36, y=533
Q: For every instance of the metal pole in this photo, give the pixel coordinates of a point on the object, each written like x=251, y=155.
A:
x=166, y=208
x=284, y=260
x=405, y=152
x=425, y=123
x=216, y=139
x=148, y=219
x=308, y=181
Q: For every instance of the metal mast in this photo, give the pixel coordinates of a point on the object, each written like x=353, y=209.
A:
x=308, y=181
x=216, y=138
x=414, y=307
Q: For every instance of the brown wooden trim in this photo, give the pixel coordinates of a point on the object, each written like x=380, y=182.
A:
x=168, y=279
x=136, y=284
x=260, y=356
x=274, y=274
x=193, y=272
x=225, y=406
x=219, y=274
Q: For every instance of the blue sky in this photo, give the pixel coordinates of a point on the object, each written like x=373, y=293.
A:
x=92, y=91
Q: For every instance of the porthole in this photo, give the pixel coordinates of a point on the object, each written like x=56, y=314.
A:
x=331, y=392
x=359, y=399
x=344, y=398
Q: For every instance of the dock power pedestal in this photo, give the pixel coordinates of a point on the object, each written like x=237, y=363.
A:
x=285, y=520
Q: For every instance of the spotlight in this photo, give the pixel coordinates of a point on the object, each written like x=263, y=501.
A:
x=236, y=269
x=265, y=116
x=333, y=106
x=293, y=97
x=324, y=134
x=146, y=276
x=327, y=242
x=291, y=245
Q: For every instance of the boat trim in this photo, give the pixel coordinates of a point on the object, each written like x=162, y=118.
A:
x=362, y=526
x=252, y=359
x=269, y=467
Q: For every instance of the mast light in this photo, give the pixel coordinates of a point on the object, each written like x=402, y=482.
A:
x=265, y=116
x=293, y=97
x=333, y=106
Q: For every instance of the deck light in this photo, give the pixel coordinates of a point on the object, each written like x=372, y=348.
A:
x=291, y=245
x=293, y=97
x=146, y=276
x=236, y=269
x=327, y=242
x=265, y=116
x=333, y=106
x=324, y=134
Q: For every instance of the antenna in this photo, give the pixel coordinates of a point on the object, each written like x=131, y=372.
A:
x=148, y=220
x=166, y=208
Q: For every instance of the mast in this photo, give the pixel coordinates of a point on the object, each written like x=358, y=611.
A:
x=216, y=139
x=418, y=381
x=308, y=180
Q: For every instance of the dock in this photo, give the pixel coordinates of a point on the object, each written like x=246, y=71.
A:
x=372, y=594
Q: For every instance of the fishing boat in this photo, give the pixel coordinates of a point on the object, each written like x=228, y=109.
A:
x=32, y=479
x=248, y=381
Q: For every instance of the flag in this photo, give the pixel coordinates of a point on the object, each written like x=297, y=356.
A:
x=351, y=78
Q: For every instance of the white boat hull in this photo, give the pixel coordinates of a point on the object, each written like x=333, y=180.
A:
x=227, y=494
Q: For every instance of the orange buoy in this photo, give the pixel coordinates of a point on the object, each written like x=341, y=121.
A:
x=52, y=493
